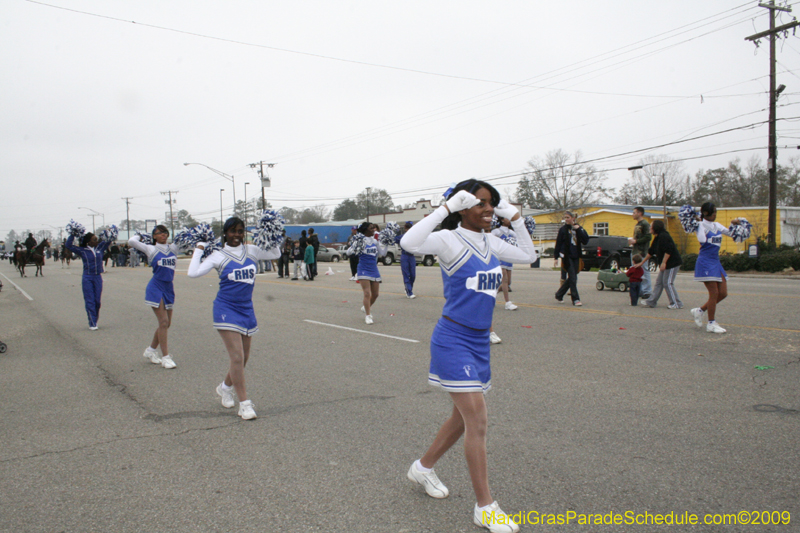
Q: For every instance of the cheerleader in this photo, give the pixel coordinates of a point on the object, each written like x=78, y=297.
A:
x=368, y=252
x=505, y=233
x=234, y=318
x=708, y=268
x=91, y=253
x=159, y=293
x=469, y=257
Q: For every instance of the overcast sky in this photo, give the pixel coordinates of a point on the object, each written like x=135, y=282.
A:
x=404, y=96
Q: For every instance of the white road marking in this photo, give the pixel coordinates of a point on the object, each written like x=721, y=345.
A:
x=18, y=287
x=360, y=331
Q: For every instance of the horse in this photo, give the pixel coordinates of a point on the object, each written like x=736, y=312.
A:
x=65, y=255
x=37, y=258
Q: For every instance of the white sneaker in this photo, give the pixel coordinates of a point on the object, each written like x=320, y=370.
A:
x=227, y=396
x=93, y=328
x=167, y=362
x=153, y=356
x=494, y=519
x=510, y=306
x=429, y=481
x=494, y=338
x=674, y=306
x=698, y=314
x=713, y=327
x=577, y=303
x=353, y=278
x=246, y=410
x=411, y=296
x=368, y=319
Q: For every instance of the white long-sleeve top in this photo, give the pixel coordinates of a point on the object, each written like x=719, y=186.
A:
x=149, y=249
x=198, y=269
x=423, y=240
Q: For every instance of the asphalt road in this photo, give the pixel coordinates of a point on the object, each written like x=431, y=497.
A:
x=599, y=409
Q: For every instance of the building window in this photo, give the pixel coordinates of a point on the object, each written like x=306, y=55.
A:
x=601, y=228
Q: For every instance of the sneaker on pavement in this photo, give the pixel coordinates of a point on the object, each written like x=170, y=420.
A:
x=697, y=314
x=246, y=410
x=494, y=519
x=153, y=356
x=411, y=296
x=227, y=396
x=368, y=319
x=675, y=306
x=494, y=338
x=644, y=303
x=715, y=328
x=560, y=301
x=93, y=328
x=429, y=481
x=577, y=303
x=167, y=362
x=510, y=306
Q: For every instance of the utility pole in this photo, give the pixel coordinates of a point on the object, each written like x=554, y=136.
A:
x=664, y=194
x=171, y=218
x=265, y=179
x=772, y=158
x=128, y=213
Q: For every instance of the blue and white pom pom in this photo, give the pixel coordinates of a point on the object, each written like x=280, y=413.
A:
x=740, y=232
x=358, y=244
x=187, y=238
x=495, y=222
x=109, y=234
x=75, y=229
x=209, y=249
x=145, y=238
x=530, y=224
x=388, y=234
x=688, y=217
x=269, y=230
x=510, y=239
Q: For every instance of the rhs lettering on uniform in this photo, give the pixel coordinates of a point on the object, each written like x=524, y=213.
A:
x=717, y=240
x=244, y=275
x=486, y=282
x=167, y=262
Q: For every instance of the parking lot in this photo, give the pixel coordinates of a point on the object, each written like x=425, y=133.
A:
x=600, y=409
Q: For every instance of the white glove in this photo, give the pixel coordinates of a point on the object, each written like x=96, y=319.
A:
x=460, y=201
x=505, y=210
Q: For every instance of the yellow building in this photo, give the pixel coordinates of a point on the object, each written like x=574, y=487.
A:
x=618, y=220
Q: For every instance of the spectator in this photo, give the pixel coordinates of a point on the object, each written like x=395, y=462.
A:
x=571, y=236
x=640, y=243
x=297, y=257
x=310, y=261
x=313, y=240
x=635, y=274
x=668, y=260
x=286, y=253
x=114, y=250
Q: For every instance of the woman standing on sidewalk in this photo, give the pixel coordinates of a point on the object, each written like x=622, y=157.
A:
x=159, y=294
x=368, y=248
x=460, y=356
x=91, y=253
x=234, y=317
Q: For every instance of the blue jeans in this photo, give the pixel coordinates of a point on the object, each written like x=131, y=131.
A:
x=647, y=285
x=636, y=288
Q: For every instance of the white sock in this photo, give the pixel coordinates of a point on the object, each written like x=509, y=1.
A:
x=225, y=387
x=151, y=350
x=712, y=322
x=421, y=468
x=484, y=508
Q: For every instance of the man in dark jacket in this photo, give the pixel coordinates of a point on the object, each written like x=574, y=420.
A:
x=313, y=240
x=30, y=244
x=571, y=236
x=668, y=259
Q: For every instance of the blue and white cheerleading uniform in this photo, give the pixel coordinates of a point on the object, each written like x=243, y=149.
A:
x=92, y=282
x=163, y=259
x=471, y=276
x=237, y=268
x=708, y=266
x=508, y=235
x=368, y=259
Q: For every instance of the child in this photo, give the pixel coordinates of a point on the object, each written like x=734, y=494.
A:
x=635, y=274
x=310, y=263
x=297, y=257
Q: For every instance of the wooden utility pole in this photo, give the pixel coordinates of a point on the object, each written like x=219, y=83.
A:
x=128, y=213
x=772, y=158
x=171, y=216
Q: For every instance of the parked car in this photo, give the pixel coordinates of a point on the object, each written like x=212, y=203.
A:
x=393, y=254
x=328, y=254
x=606, y=252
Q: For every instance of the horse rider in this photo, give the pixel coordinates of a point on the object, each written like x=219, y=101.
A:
x=17, y=248
x=30, y=244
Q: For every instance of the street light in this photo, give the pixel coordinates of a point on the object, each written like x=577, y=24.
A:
x=226, y=176
x=221, y=221
x=246, y=183
x=95, y=214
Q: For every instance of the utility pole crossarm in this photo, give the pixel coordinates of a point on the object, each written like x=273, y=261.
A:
x=779, y=29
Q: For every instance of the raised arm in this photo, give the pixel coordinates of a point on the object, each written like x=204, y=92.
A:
x=136, y=242
x=265, y=255
x=198, y=269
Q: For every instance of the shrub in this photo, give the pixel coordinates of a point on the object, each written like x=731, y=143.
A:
x=779, y=261
x=688, y=261
x=548, y=252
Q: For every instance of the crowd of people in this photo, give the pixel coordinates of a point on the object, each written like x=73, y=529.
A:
x=476, y=265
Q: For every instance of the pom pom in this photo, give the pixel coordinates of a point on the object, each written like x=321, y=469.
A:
x=75, y=229
x=269, y=230
x=388, y=234
x=740, y=232
x=145, y=238
x=109, y=234
x=688, y=218
x=188, y=238
x=358, y=244
x=510, y=239
x=495, y=222
x=209, y=249
x=530, y=224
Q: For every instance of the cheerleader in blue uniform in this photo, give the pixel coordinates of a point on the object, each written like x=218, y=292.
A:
x=234, y=318
x=368, y=266
x=91, y=253
x=469, y=257
x=708, y=268
x=159, y=293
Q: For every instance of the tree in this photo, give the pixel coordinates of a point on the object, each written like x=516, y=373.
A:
x=560, y=181
x=11, y=238
x=246, y=211
x=289, y=214
x=646, y=185
x=312, y=214
x=347, y=210
x=376, y=201
x=184, y=219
